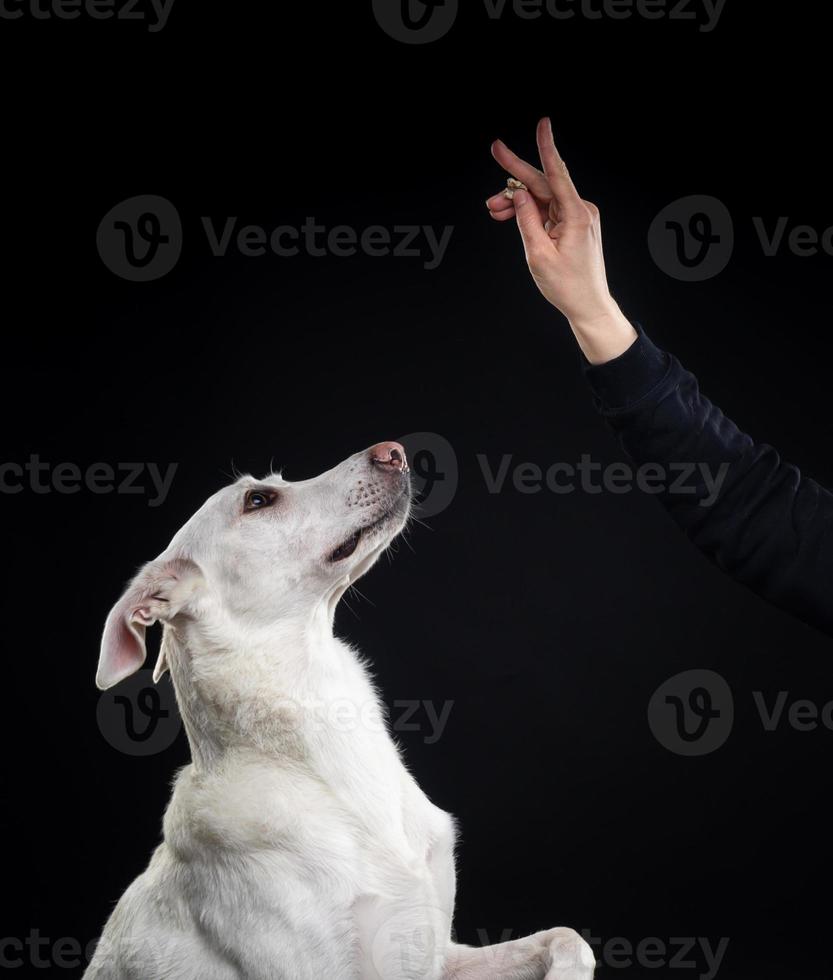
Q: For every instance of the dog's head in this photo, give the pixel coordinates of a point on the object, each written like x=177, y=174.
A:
x=264, y=550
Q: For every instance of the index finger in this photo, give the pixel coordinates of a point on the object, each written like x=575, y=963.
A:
x=521, y=170
x=556, y=171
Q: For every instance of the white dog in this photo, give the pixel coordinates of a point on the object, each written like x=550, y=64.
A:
x=296, y=846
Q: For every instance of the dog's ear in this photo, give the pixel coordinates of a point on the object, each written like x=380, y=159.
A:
x=158, y=592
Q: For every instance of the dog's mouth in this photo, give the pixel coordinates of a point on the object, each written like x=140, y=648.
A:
x=349, y=545
x=346, y=548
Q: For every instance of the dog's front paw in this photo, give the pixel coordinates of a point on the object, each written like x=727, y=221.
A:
x=571, y=958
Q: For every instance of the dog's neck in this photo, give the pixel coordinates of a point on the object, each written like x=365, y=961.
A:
x=247, y=689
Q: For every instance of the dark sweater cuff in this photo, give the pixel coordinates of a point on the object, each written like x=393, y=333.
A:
x=628, y=378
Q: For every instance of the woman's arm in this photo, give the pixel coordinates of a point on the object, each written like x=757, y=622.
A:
x=742, y=506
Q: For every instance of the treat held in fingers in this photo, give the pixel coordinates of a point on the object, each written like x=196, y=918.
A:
x=513, y=185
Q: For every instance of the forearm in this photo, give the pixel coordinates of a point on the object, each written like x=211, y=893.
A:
x=748, y=511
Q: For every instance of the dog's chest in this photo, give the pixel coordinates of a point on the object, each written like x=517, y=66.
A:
x=353, y=755
x=321, y=807
x=342, y=790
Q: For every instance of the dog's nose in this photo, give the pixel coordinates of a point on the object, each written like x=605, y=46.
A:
x=389, y=455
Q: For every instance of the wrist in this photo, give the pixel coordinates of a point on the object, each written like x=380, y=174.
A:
x=605, y=335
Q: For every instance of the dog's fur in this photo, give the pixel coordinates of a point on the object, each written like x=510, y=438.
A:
x=296, y=844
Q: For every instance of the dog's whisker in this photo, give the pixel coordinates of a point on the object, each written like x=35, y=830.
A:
x=361, y=595
x=413, y=519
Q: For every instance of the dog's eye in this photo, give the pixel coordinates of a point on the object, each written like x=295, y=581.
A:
x=258, y=499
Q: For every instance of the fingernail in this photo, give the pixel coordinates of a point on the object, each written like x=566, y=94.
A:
x=519, y=198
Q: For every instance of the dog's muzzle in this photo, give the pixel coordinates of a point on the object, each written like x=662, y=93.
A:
x=386, y=494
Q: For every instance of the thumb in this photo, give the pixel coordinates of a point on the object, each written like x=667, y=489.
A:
x=530, y=223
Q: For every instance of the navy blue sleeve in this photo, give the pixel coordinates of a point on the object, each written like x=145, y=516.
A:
x=751, y=513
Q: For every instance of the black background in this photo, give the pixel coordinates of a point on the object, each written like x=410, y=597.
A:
x=549, y=620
